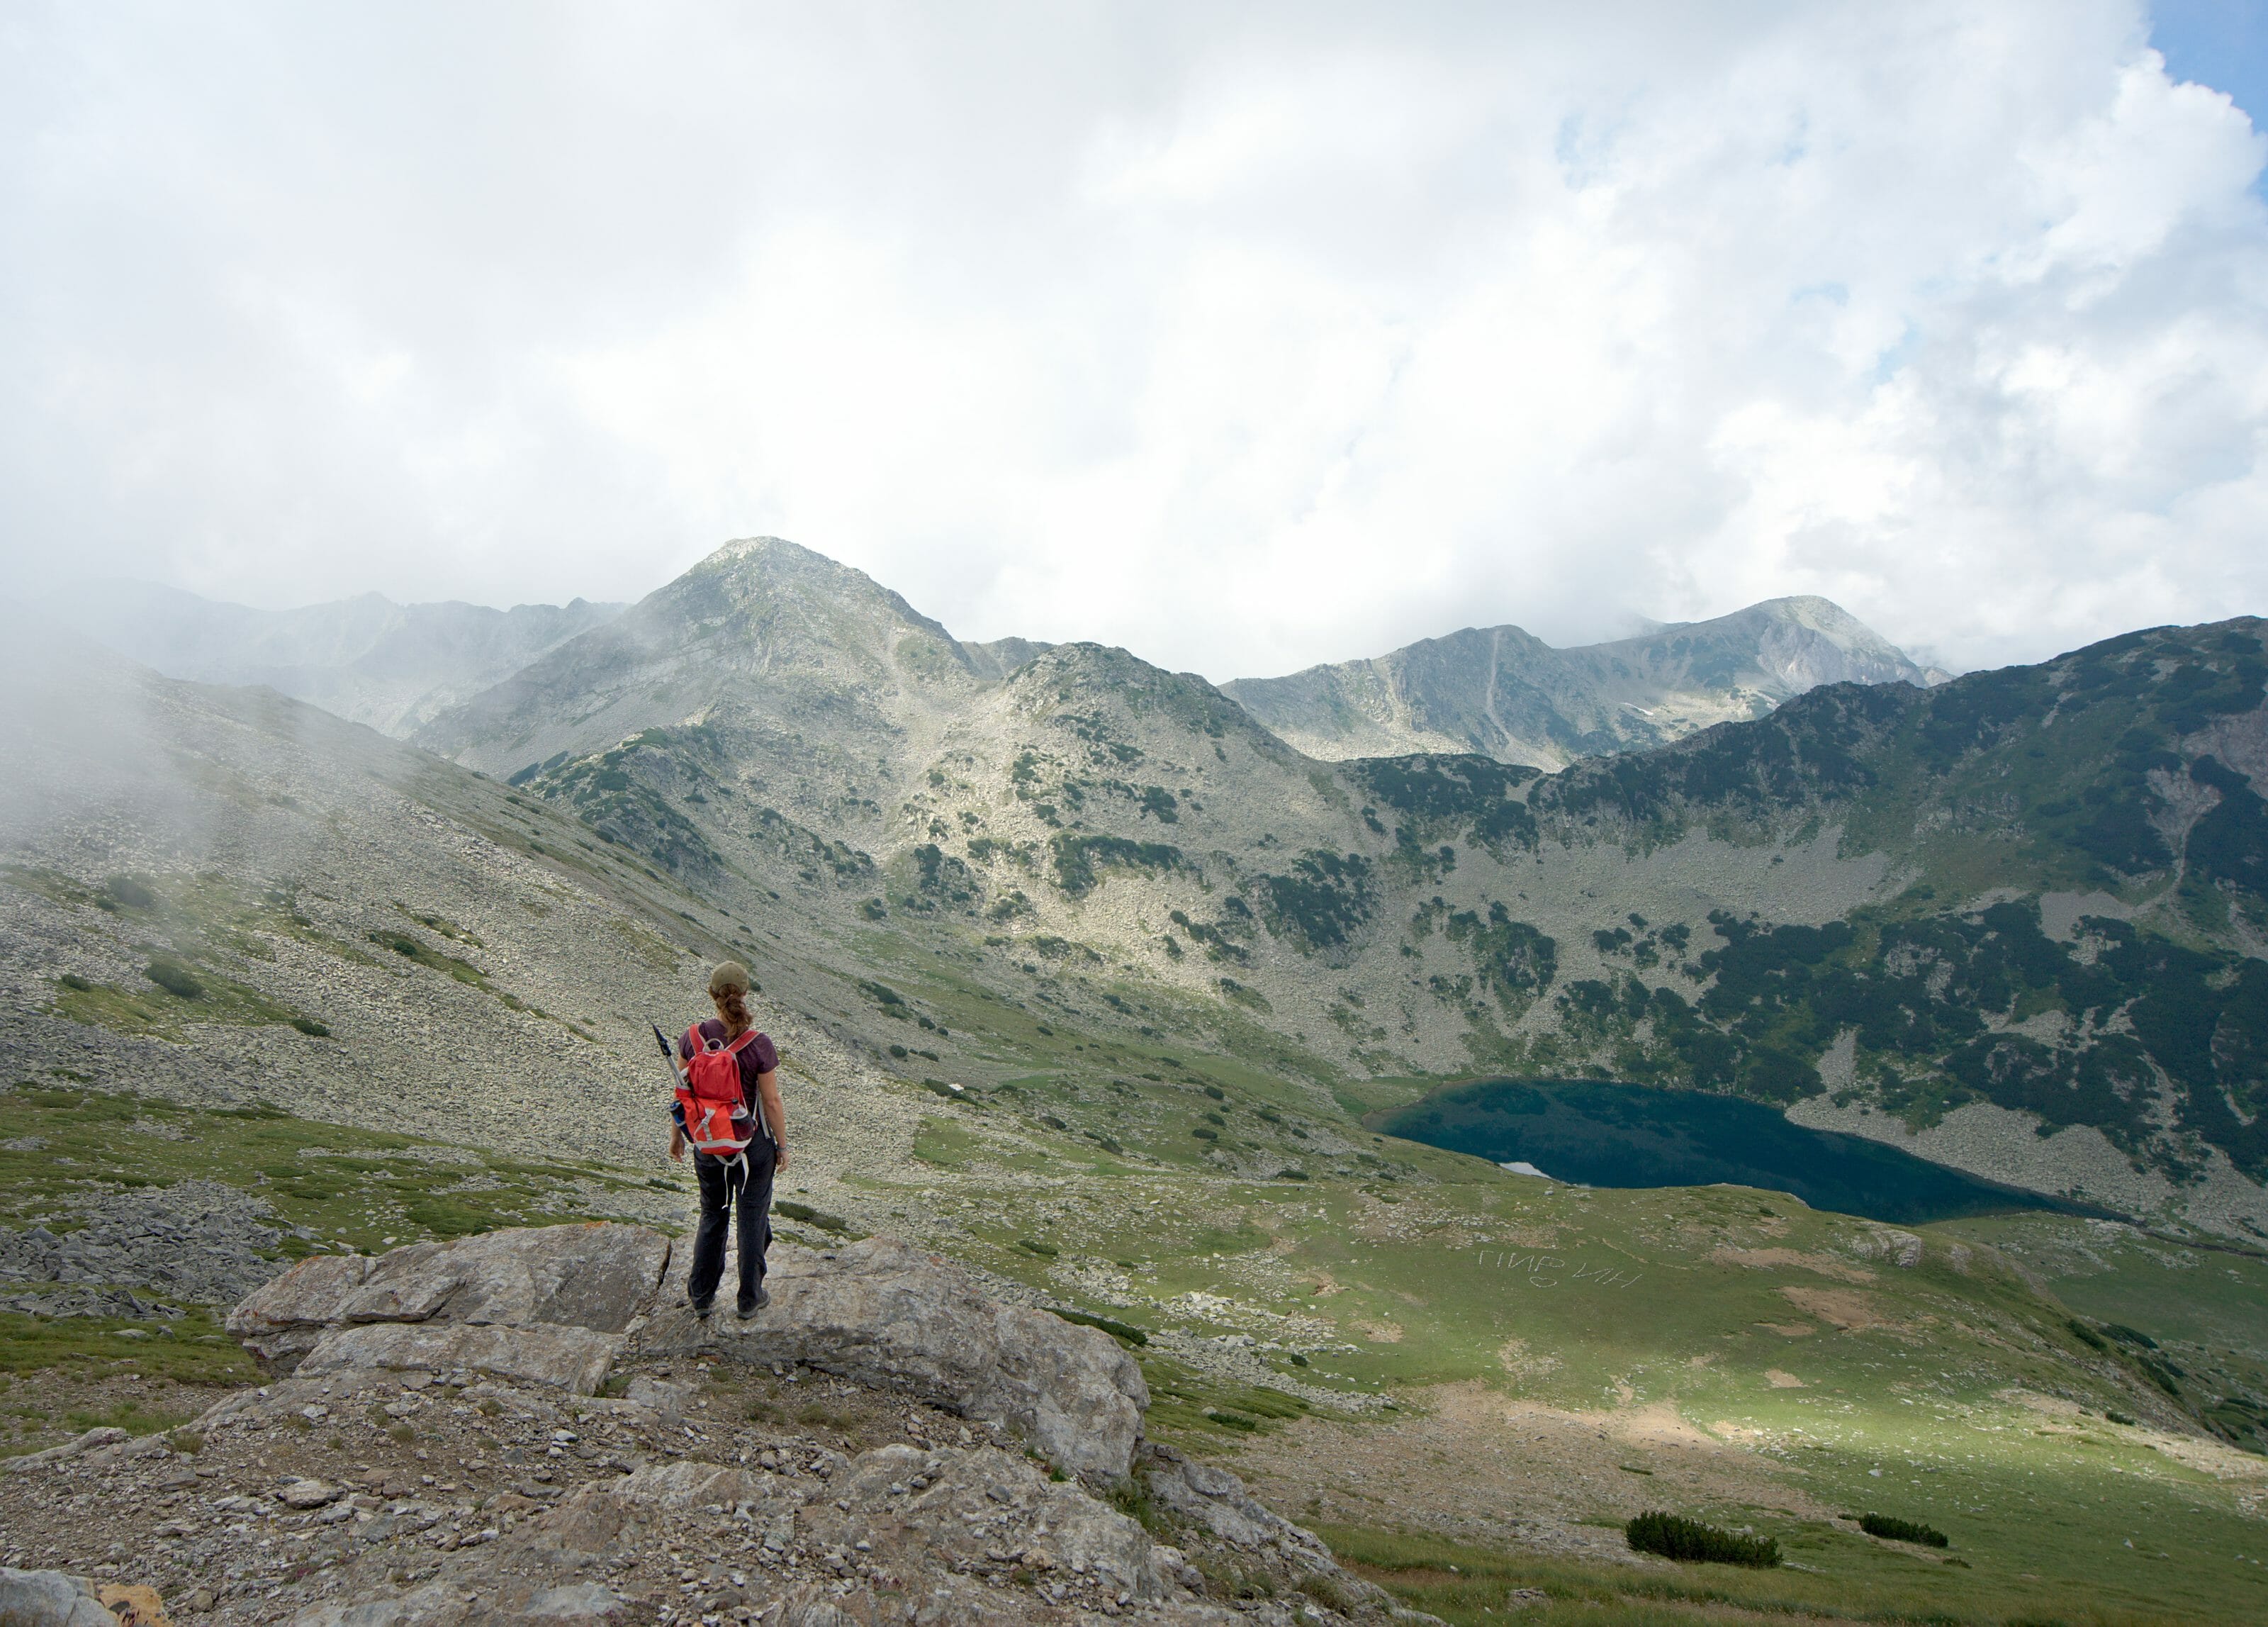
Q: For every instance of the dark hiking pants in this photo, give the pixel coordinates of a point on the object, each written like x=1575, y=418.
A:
x=717, y=1195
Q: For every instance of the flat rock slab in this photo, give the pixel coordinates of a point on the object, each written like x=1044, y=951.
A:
x=883, y=1314
x=581, y=1604
x=575, y=1359
x=597, y=1276
x=88, y=1442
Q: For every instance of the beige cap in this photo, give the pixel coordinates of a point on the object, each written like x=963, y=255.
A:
x=730, y=977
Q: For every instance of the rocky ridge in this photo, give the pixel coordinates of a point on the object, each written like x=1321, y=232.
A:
x=445, y=1486
x=1505, y=694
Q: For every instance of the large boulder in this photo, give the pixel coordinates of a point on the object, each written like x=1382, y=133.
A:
x=882, y=1315
x=50, y=1599
x=599, y=1276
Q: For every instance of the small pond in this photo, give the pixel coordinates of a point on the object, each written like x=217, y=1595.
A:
x=1598, y=1135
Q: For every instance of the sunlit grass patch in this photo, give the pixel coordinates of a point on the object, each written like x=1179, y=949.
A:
x=190, y=1350
x=356, y=1188
x=1831, y=1576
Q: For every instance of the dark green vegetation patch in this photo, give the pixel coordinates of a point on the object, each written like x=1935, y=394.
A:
x=1917, y=991
x=1892, y=1529
x=1475, y=798
x=1323, y=902
x=1079, y=859
x=1689, y=1542
x=1125, y=1333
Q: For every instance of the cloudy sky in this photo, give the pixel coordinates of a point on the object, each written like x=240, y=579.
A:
x=1246, y=336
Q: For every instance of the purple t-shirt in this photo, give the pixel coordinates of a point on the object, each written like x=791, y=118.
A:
x=758, y=1056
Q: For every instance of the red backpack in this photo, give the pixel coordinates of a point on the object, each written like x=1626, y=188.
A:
x=717, y=1118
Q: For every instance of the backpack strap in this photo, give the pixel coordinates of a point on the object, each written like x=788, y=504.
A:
x=747, y=1037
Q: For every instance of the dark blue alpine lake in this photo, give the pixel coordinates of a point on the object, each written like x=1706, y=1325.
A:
x=1601, y=1135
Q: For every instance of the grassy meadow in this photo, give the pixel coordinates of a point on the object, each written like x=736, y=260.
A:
x=1466, y=1378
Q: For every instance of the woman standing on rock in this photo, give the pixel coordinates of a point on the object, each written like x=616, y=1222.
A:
x=736, y=1152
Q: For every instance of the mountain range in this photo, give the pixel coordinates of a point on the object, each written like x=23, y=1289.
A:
x=365, y=659
x=1505, y=694
x=1497, y=690
x=2013, y=921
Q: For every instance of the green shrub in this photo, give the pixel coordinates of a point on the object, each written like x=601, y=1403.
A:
x=1689, y=1541
x=1203, y=1134
x=2085, y=1335
x=809, y=1215
x=72, y=980
x=1235, y=1420
x=174, y=976
x=131, y=894
x=1896, y=1530
x=1124, y=1332
x=1045, y=1251
x=308, y=1026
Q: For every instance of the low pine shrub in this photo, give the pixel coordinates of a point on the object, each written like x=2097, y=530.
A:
x=1898, y=1530
x=809, y=1215
x=1691, y=1543
x=174, y=976
x=1125, y=1333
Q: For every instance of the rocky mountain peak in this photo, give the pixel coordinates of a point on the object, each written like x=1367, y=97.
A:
x=1503, y=693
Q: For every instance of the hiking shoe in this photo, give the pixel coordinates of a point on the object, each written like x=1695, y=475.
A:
x=702, y=1307
x=750, y=1304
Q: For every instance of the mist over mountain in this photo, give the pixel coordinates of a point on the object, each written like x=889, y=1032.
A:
x=365, y=659
x=1505, y=694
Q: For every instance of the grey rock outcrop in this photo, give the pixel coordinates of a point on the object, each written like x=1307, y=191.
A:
x=896, y=1317
x=94, y=1438
x=512, y=1502
x=575, y=1359
x=547, y=1285
x=555, y=1306
x=957, y=1517
x=50, y=1599
x=1206, y=1495
x=196, y=1240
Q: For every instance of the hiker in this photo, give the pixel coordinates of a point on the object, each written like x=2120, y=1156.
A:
x=739, y=1141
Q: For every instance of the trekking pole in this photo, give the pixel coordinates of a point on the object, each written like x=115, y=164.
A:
x=668, y=1055
x=676, y=1078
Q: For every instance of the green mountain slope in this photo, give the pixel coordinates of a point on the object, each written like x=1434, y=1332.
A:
x=2021, y=900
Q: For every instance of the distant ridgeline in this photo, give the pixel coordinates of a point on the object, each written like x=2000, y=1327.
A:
x=2100, y=773
x=1601, y=1135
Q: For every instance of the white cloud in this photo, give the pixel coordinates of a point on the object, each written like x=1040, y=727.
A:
x=1244, y=337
